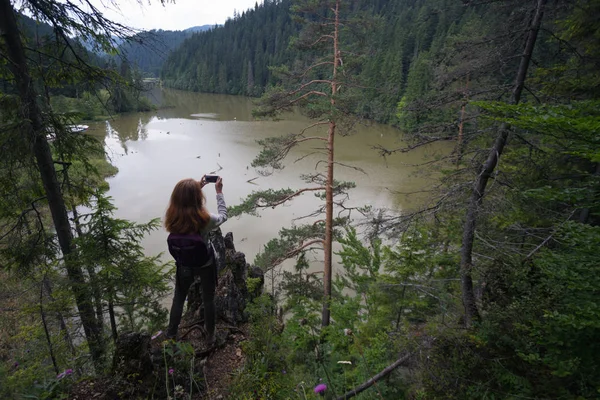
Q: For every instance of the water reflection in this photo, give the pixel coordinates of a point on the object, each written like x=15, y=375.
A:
x=182, y=104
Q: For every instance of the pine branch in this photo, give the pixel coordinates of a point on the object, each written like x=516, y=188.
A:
x=267, y=198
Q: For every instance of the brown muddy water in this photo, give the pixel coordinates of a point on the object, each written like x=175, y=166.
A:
x=204, y=133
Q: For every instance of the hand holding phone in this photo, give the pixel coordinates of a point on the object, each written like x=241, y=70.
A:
x=211, y=178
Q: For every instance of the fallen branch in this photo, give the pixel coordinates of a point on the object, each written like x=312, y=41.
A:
x=373, y=380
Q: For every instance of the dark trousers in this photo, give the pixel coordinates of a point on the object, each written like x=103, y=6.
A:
x=183, y=280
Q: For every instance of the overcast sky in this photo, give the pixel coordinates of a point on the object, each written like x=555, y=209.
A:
x=181, y=15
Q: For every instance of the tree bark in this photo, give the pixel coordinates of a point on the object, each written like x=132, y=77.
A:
x=466, y=254
x=35, y=132
x=113, y=320
x=328, y=244
x=93, y=278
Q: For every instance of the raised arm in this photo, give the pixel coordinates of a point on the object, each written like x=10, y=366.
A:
x=221, y=207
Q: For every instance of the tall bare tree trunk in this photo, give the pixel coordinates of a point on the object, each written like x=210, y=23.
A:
x=466, y=253
x=113, y=320
x=93, y=278
x=34, y=128
x=327, y=270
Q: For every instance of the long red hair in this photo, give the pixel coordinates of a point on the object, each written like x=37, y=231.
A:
x=187, y=212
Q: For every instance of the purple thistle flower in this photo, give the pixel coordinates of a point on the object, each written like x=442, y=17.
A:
x=66, y=372
x=320, y=388
x=171, y=370
x=157, y=334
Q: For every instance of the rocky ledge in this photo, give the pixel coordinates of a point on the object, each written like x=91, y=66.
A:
x=145, y=366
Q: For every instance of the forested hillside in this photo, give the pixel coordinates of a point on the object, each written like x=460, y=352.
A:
x=147, y=51
x=235, y=58
x=488, y=290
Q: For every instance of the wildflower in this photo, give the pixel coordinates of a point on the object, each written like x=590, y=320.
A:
x=284, y=372
x=157, y=334
x=348, y=332
x=16, y=364
x=179, y=390
x=320, y=388
x=345, y=362
x=171, y=370
x=66, y=372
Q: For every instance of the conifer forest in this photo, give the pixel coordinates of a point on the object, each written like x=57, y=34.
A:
x=488, y=287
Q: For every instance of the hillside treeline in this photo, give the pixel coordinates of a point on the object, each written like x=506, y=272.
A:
x=235, y=58
x=148, y=50
x=489, y=291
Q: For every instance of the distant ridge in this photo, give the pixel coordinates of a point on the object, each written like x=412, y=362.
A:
x=200, y=28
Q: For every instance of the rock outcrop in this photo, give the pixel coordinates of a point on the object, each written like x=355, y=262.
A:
x=231, y=294
x=143, y=359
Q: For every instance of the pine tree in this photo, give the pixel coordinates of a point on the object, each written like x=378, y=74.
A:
x=324, y=85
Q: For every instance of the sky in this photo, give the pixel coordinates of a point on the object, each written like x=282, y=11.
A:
x=180, y=15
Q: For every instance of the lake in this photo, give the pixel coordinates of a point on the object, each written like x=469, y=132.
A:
x=208, y=133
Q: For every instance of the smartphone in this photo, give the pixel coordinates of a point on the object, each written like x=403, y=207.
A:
x=211, y=178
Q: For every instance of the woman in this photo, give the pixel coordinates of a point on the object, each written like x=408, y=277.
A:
x=187, y=219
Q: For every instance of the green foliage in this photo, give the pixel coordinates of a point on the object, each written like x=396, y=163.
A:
x=535, y=257
x=560, y=336
x=286, y=246
x=252, y=52
x=261, y=199
x=233, y=58
x=89, y=107
x=574, y=125
x=63, y=83
x=536, y=339
x=296, y=356
x=146, y=50
x=264, y=374
x=253, y=284
x=181, y=378
x=123, y=275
